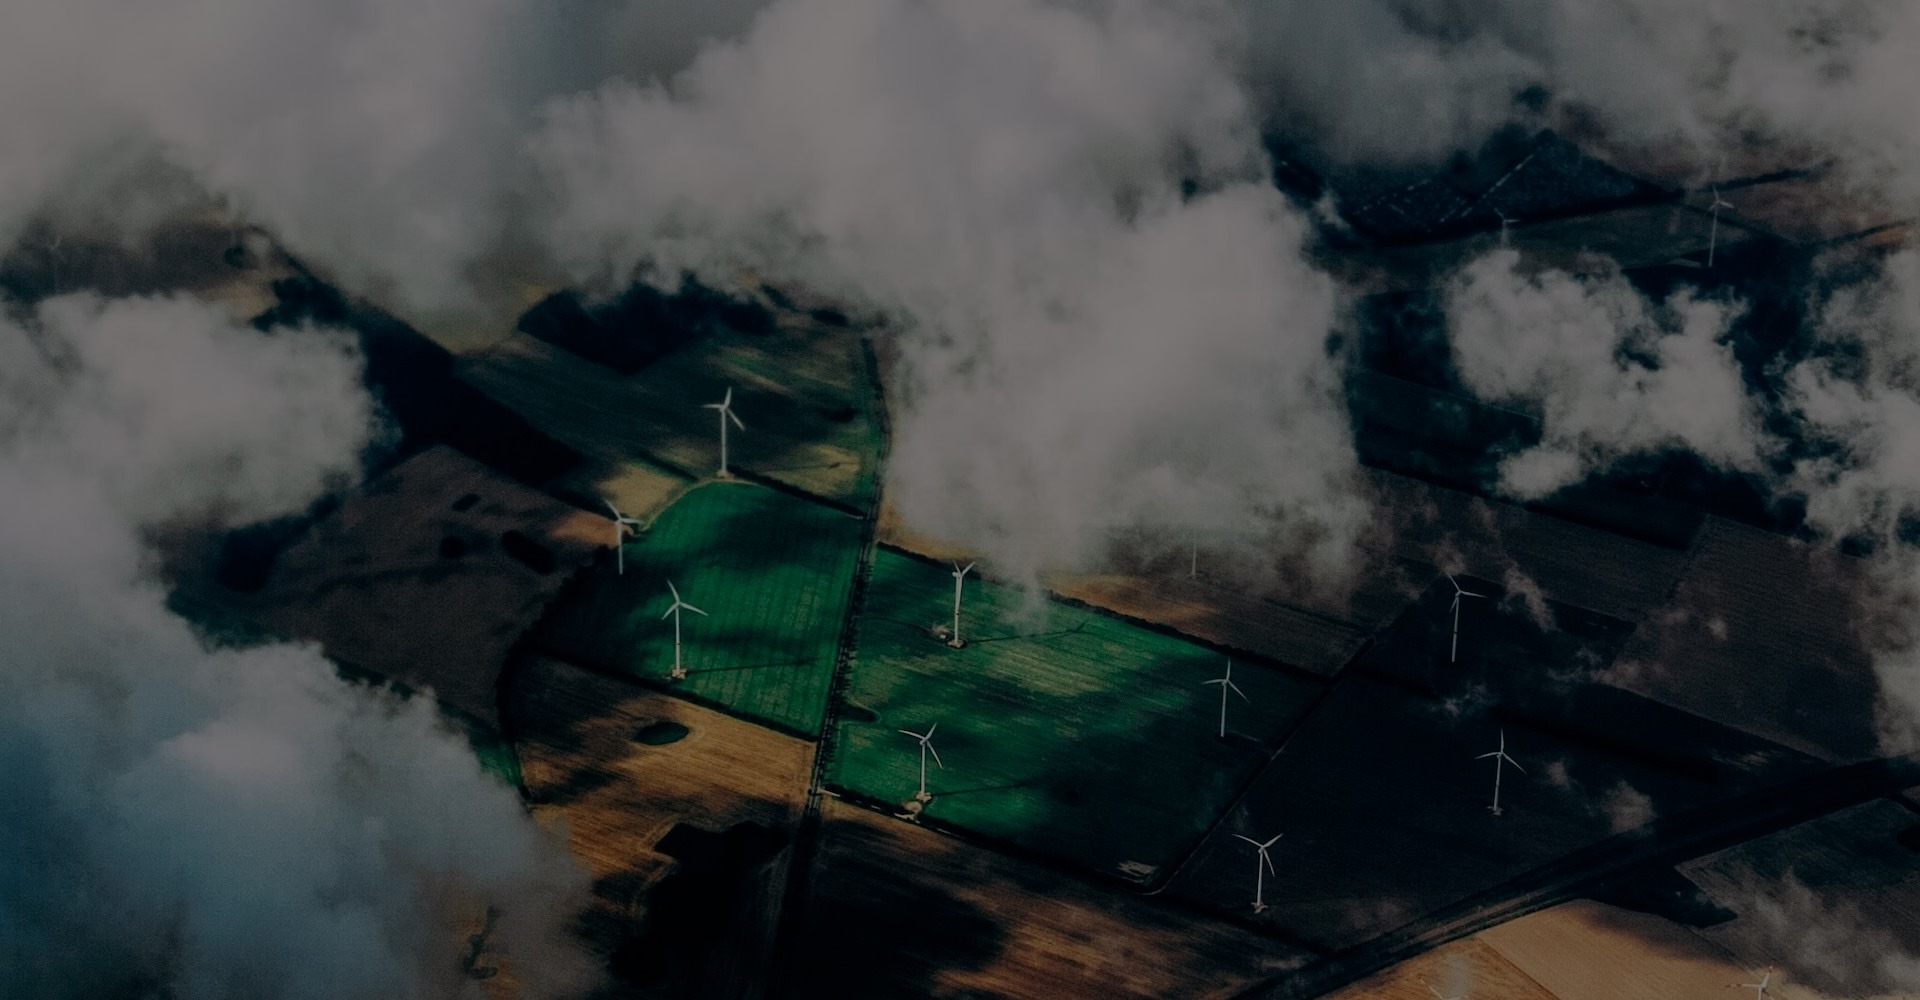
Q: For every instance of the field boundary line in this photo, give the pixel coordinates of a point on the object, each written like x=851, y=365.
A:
x=783, y=978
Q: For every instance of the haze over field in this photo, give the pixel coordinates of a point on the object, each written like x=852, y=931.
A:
x=1105, y=316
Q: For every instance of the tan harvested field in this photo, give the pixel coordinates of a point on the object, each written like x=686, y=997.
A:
x=1830, y=900
x=900, y=911
x=186, y=254
x=1809, y=210
x=1469, y=968
x=1777, y=616
x=400, y=582
x=1590, y=951
x=619, y=797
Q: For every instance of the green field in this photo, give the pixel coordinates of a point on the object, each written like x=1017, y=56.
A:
x=1068, y=732
x=773, y=573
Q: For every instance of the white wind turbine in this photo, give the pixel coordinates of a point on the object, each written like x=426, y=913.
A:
x=1504, y=223
x=725, y=406
x=959, y=575
x=1458, y=593
x=1226, y=684
x=1713, y=230
x=679, y=671
x=926, y=747
x=622, y=526
x=1760, y=989
x=1261, y=867
x=1500, y=758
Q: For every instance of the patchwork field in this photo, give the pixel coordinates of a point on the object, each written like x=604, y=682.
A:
x=803, y=392
x=900, y=911
x=1384, y=808
x=429, y=575
x=771, y=571
x=1777, y=617
x=1061, y=729
x=677, y=913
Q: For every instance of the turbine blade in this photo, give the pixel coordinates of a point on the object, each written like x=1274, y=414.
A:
x=931, y=728
x=669, y=612
x=1249, y=840
x=909, y=732
x=1268, y=861
x=1235, y=688
x=673, y=590
x=695, y=610
x=936, y=756
x=1468, y=593
x=1515, y=763
x=711, y=406
x=1217, y=680
x=1275, y=840
x=611, y=507
x=736, y=420
x=1484, y=756
x=728, y=401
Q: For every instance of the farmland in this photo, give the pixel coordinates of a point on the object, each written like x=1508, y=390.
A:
x=1384, y=808
x=678, y=812
x=802, y=390
x=772, y=573
x=428, y=575
x=1061, y=729
x=897, y=911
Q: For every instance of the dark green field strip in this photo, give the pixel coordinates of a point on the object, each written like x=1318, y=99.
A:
x=773, y=574
x=1063, y=730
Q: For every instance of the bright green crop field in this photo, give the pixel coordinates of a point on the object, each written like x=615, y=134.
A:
x=1062, y=730
x=773, y=574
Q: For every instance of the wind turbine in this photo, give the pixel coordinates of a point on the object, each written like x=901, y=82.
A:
x=1441, y=996
x=1226, y=684
x=1759, y=989
x=1500, y=758
x=679, y=671
x=1458, y=593
x=725, y=406
x=959, y=573
x=1713, y=231
x=1260, y=869
x=1504, y=223
x=926, y=747
x=622, y=525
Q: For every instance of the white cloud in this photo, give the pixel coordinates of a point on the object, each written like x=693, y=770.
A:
x=1083, y=349
x=218, y=824
x=1610, y=373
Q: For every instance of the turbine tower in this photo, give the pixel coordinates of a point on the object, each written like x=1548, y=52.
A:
x=679, y=671
x=725, y=406
x=1261, y=867
x=1226, y=684
x=1760, y=989
x=1500, y=758
x=1458, y=593
x=622, y=525
x=926, y=747
x=1504, y=223
x=959, y=574
x=1713, y=231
